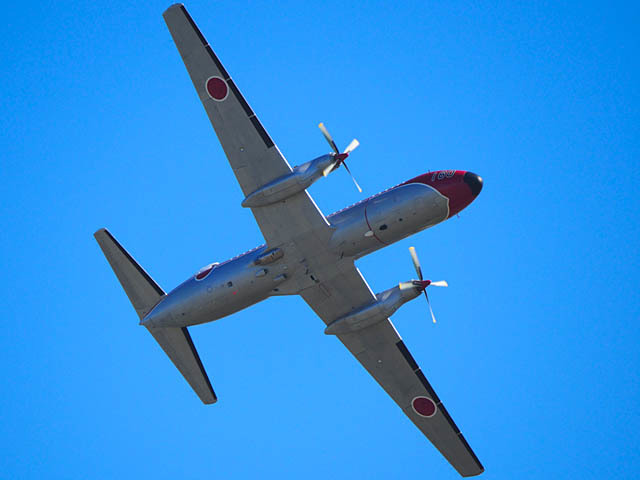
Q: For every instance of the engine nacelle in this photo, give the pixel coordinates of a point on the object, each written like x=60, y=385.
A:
x=383, y=307
x=301, y=178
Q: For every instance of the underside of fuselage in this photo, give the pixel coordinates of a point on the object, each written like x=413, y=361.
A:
x=219, y=290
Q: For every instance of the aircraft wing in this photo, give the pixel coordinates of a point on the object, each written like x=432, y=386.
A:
x=254, y=157
x=382, y=352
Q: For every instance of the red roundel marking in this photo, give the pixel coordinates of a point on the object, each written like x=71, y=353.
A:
x=204, y=272
x=217, y=88
x=424, y=406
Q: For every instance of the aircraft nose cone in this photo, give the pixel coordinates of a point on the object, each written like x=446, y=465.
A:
x=474, y=181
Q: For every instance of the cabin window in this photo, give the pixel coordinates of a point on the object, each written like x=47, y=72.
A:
x=383, y=227
x=205, y=271
x=229, y=284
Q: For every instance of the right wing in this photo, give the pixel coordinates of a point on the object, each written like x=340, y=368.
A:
x=381, y=351
x=253, y=156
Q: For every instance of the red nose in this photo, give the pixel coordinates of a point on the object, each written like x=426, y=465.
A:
x=461, y=190
x=474, y=181
x=460, y=187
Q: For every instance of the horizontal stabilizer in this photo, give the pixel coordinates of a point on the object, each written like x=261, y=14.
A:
x=177, y=344
x=144, y=294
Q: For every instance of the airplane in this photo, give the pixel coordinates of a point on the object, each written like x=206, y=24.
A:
x=305, y=253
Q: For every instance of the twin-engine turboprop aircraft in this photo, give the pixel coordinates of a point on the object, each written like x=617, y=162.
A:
x=305, y=253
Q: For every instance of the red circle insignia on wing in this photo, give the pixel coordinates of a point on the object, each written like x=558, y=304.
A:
x=217, y=88
x=423, y=406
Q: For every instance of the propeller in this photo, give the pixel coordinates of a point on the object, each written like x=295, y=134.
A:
x=339, y=157
x=422, y=284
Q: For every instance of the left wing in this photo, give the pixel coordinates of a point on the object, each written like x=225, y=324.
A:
x=382, y=352
x=254, y=157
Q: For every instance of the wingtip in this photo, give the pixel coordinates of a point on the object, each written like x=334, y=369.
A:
x=99, y=231
x=474, y=474
x=173, y=7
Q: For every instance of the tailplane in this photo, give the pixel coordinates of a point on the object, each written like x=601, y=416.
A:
x=177, y=344
x=145, y=294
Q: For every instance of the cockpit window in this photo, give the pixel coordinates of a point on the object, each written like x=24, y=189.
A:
x=204, y=271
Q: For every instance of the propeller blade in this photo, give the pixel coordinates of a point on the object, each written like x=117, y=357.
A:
x=430, y=309
x=326, y=134
x=352, y=177
x=329, y=169
x=440, y=283
x=340, y=157
x=416, y=262
x=352, y=146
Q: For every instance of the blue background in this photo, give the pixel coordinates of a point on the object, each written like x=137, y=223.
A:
x=535, y=353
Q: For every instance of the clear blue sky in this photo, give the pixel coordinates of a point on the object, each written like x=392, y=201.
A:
x=536, y=351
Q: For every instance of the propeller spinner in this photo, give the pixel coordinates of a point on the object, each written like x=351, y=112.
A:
x=339, y=157
x=422, y=284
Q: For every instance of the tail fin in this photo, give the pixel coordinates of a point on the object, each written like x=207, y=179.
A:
x=144, y=294
x=177, y=344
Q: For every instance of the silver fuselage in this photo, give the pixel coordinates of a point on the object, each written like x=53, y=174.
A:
x=359, y=230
